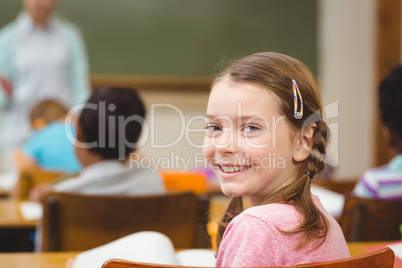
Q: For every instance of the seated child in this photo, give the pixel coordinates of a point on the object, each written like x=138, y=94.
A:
x=385, y=182
x=266, y=141
x=107, y=132
x=48, y=148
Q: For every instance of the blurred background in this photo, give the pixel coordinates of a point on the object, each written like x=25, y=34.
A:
x=171, y=49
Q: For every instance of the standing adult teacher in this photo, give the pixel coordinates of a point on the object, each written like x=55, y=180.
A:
x=41, y=57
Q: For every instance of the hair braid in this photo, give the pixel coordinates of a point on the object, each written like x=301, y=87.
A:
x=315, y=162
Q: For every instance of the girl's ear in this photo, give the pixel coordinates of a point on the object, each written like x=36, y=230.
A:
x=304, y=143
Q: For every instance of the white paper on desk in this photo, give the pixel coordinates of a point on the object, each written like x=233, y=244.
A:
x=196, y=257
x=150, y=247
x=332, y=201
x=397, y=248
x=31, y=210
x=8, y=180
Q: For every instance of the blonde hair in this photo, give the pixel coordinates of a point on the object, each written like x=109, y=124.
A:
x=275, y=72
x=48, y=110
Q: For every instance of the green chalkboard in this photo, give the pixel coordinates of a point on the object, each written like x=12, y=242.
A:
x=185, y=37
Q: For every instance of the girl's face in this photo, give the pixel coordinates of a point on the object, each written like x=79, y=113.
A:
x=249, y=143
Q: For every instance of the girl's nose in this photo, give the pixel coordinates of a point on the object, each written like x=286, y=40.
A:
x=228, y=143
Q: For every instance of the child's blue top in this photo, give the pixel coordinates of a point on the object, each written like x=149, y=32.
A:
x=51, y=149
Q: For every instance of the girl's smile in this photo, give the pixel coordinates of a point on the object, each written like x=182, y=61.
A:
x=231, y=169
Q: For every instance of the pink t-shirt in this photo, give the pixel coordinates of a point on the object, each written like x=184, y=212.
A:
x=252, y=239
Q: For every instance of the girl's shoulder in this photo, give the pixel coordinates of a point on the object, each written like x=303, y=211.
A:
x=279, y=214
x=277, y=208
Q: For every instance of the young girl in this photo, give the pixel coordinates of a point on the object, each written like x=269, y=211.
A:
x=265, y=140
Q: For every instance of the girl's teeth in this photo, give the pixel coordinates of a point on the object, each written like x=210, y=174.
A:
x=233, y=169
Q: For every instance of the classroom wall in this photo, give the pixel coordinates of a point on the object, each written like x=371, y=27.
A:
x=346, y=74
x=169, y=144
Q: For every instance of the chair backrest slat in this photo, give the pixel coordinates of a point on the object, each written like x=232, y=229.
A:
x=76, y=222
x=383, y=258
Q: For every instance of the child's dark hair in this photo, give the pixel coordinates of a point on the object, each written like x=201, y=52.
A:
x=275, y=72
x=112, y=119
x=390, y=100
x=49, y=110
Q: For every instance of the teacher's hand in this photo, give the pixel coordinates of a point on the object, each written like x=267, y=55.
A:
x=6, y=85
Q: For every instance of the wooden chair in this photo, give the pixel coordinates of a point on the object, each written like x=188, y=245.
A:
x=371, y=220
x=76, y=222
x=383, y=258
x=32, y=176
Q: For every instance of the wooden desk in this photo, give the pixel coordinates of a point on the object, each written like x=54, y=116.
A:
x=15, y=231
x=59, y=259
x=35, y=260
x=357, y=248
x=10, y=216
x=4, y=193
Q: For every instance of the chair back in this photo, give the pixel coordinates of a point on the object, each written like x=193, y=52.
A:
x=371, y=219
x=77, y=222
x=383, y=258
x=32, y=176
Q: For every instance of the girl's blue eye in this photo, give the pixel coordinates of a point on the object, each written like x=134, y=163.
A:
x=213, y=128
x=251, y=128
